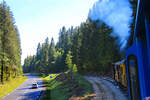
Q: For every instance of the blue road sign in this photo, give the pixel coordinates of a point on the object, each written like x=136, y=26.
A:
x=51, y=77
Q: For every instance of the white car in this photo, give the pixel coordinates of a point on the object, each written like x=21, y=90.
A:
x=35, y=85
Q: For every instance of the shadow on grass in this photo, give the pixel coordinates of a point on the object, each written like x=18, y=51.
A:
x=64, y=86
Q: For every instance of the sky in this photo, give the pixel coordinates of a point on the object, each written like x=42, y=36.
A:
x=38, y=19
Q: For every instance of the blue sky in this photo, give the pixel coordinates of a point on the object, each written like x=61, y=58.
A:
x=38, y=19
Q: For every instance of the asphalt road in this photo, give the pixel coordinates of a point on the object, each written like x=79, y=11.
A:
x=25, y=91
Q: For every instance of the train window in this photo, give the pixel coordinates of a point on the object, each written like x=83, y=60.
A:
x=133, y=78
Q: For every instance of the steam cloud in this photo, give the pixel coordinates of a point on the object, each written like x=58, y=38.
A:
x=116, y=14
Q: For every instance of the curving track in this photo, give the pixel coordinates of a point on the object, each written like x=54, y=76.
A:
x=105, y=90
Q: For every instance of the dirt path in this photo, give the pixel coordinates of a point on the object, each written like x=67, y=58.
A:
x=105, y=90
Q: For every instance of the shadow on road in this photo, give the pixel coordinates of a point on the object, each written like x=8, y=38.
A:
x=35, y=95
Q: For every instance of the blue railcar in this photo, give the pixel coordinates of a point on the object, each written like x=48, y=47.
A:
x=138, y=55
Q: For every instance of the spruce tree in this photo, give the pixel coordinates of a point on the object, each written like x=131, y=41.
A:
x=52, y=56
x=10, y=44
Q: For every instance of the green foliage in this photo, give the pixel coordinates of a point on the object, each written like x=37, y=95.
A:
x=10, y=49
x=47, y=59
x=69, y=61
x=64, y=89
x=89, y=47
x=75, y=70
x=93, y=48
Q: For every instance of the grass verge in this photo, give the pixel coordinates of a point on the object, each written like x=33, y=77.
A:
x=63, y=86
x=11, y=85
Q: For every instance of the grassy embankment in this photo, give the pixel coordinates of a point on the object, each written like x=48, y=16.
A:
x=64, y=87
x=11, y=85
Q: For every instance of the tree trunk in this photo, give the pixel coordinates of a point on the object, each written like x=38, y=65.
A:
x=2, y=70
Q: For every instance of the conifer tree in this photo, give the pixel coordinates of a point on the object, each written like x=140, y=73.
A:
x=52, y=56
x=10, y=44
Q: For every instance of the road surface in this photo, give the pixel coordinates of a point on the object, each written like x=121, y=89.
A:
x=105, y=90
x=25, y=91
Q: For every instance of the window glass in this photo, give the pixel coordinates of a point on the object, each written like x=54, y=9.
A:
x=133, y=78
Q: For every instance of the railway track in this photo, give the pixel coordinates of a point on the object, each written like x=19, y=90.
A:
x=105, y=90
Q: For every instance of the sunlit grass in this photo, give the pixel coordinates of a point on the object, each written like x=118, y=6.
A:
x=56, y=90
x=47, y=81
x=48, y=77
x=11, y=85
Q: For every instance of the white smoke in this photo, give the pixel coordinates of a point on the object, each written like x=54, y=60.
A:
x=116, y=14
